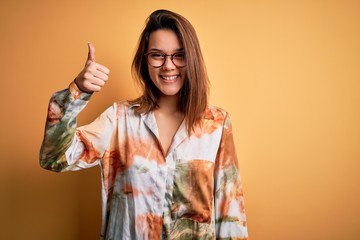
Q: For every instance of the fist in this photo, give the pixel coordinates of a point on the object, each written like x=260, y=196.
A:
x=94, y=76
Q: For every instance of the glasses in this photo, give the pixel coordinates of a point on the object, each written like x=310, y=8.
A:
x=158, y=59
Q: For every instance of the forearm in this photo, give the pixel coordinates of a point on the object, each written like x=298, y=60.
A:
x=64, y=106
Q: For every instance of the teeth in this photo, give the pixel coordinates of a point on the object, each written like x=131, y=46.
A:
x=169, y=78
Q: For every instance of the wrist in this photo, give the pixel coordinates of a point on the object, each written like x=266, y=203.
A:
x=79, y=88
x=75, y=90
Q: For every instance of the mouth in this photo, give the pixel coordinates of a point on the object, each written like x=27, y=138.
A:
x=170, y=78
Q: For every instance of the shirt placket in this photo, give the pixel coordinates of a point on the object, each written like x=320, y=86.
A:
x=159, y=180
x=163, y=181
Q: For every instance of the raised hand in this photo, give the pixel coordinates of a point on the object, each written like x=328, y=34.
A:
x=94, y=76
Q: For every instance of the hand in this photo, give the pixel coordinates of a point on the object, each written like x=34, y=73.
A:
x=94, y=76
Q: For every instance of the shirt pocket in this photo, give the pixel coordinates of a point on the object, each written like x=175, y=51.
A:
x=193, y=191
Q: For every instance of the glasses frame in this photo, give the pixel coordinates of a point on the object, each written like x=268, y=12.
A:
x=146, y=55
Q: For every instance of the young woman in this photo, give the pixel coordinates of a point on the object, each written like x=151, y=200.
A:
x=168, y=161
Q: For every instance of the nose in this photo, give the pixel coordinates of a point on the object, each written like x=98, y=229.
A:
x=168, y=64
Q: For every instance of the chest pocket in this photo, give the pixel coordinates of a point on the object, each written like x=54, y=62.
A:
x=193, y=190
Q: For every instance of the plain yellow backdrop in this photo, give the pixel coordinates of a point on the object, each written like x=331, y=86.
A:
x=288, y=72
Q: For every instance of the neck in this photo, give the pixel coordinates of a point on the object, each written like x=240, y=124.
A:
x=168, y=104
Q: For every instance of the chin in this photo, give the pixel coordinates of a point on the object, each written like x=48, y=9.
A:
x=169, y=93
x=170, y=89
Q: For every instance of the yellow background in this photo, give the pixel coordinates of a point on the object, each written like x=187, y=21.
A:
x=287, y=71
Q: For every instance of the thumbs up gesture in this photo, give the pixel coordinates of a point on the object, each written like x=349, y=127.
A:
x=94, y=76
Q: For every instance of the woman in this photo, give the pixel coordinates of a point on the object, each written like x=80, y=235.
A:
x=168, y=162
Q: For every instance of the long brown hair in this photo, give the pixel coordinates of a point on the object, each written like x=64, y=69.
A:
x=194, y=94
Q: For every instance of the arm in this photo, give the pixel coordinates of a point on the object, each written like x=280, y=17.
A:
x=64, y=106
x=63, y=109
x=230, y=219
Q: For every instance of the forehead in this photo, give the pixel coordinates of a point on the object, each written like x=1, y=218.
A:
x=165, y=40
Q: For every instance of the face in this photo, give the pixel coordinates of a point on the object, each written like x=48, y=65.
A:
x=169, y=79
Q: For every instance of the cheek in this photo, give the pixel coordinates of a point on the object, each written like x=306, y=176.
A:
x=152, y=73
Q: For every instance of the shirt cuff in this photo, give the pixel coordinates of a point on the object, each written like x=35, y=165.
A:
x=75, y=91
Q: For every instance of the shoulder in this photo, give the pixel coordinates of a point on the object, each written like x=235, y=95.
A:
x=212, y=122
x=215, y=113
x=218, y=116
x=125, y=108
x=125, y=104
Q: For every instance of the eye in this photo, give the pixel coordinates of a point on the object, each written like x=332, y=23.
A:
x=156, y=55
x=179, y=55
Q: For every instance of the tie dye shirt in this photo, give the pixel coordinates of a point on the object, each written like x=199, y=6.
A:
x=192, y=192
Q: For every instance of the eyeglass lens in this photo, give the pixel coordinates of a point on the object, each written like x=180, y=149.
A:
x=157, y=59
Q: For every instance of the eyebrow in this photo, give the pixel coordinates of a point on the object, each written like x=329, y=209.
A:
x=159, y=50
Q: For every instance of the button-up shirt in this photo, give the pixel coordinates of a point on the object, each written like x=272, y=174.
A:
x=193, y=191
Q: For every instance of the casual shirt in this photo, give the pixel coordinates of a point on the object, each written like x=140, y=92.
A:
x=193, y=191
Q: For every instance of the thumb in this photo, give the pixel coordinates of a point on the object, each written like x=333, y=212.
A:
x=91, y=53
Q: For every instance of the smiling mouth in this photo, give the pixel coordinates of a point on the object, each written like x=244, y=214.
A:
x=171, y=78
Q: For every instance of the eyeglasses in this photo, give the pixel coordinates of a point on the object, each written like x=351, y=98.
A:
x=158, y=59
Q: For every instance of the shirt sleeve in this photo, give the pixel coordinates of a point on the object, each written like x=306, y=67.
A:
x=66, y=147
x=230, y=219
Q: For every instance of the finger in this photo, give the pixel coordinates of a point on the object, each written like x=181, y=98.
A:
x=100, y=75
x=95, y=74
x=91, y=53
x=97, y=78
x=98, y=82
x=102, y=68
x=95, y=85
x=98, y=67
x=94, y=82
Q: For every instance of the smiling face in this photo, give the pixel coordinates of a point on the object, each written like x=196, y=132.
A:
x=168, y=78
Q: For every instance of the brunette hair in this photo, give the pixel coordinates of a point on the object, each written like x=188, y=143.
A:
x=194, y=94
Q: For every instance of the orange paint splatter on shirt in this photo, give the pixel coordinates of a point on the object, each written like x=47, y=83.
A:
x=54, y=113
x=110, y=162
x=235, y=195
x=132, y=147
x=150, y=225
x=212, y=120
x=224, y=206
x=227, y=152
x=89, y=155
